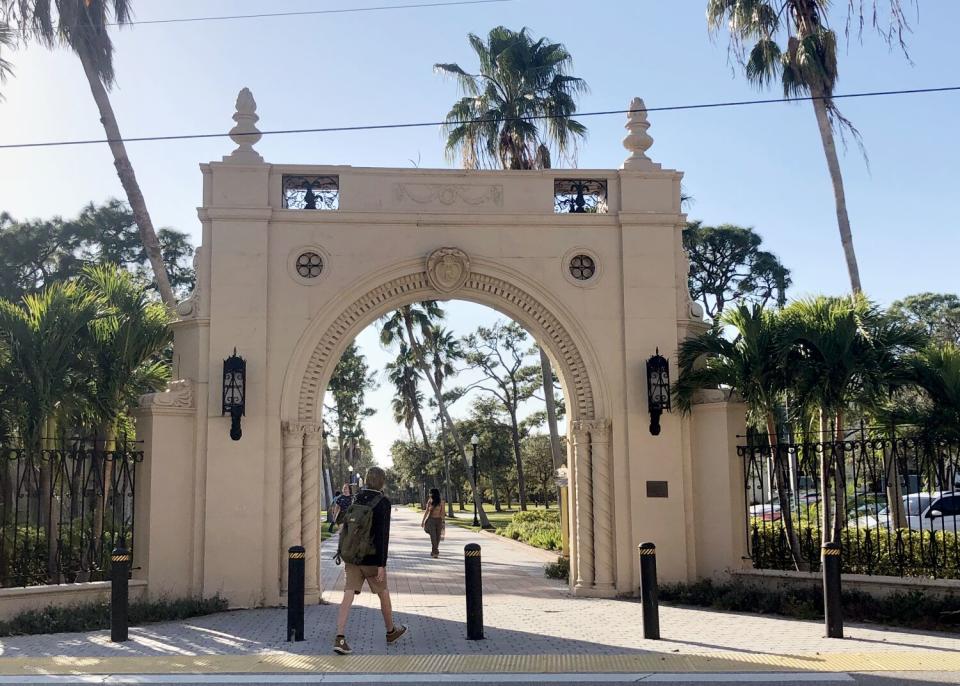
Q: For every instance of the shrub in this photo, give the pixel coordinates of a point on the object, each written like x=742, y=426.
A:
x=94, y=616
x=866, y=551
x=559, y=569
x=540, y=528
x=913, y=609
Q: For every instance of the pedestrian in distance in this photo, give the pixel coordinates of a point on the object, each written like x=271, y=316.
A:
x=340, y=505
x=364, y=541
x=331, y=512
x=433, y=522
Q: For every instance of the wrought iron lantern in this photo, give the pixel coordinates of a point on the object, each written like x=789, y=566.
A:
x=658, y=390
x=234, y=392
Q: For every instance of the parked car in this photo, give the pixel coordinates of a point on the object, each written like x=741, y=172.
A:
x=939, y=511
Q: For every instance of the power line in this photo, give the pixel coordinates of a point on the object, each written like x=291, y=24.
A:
x=303, y=13
x=411, y=125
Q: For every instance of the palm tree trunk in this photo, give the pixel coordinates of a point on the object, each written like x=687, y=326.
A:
x=445, y=417
x=422, y=426
x=892, y=478
x=840, y=481
x=840, y=198
x=782, y=479
x=151, y=245
x=824, y=480
x=521, y=478
x=555, y=450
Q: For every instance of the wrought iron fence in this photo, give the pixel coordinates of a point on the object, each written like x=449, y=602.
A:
x=64, y=509
x=893, y=502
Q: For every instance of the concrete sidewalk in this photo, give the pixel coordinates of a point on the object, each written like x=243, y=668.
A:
x=531, y=624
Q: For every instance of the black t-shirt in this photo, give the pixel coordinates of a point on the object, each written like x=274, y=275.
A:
x=381, y=526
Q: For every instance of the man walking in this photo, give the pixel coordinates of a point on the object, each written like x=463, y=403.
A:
x=341, y=503
x=364, y=540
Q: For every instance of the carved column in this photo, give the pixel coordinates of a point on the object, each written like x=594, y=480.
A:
x=291, y=496
x=584, y=496
x=310, y=511
x=602, y=504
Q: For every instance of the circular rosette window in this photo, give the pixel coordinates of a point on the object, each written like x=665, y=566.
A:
x=308, y=265
x=581, y=267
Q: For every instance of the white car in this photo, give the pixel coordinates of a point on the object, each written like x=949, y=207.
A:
x=939, y=511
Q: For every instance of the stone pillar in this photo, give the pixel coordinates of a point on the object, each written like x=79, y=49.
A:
x=310, y=512
x=292, y=492
x=602, y=506
x=719, y=505
x=584, y=506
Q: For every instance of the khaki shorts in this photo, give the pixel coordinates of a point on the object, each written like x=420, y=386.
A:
x=357, y=574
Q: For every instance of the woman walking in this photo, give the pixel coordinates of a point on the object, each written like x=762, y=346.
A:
x=433, y=521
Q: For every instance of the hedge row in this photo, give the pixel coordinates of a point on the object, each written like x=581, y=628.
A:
x=912, y=609
x=865, y=551
x=94, y=616
x=540, y=528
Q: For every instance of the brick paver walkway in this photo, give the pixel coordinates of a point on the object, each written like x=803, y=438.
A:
x=524, y=613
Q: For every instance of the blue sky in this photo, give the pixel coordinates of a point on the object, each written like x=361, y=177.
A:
x=756, y=166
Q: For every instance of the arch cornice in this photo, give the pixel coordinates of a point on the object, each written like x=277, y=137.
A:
x=488, y=283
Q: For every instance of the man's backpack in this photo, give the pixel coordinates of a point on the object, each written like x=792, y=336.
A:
x=356, y=536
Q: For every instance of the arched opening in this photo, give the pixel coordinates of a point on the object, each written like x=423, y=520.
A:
x=588, y=452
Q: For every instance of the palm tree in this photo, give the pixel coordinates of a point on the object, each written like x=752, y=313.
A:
x=82, y=25
x=443, y=349
x=128, y=337
x=519, y=105
x=753, y=365
x=806, y=65
x=7, y=41
x=46, y=338
x=401, y=328
x=936, y=370
x=844, y=352
x=402, y=373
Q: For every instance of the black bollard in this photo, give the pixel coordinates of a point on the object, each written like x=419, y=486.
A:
x=649, y=596
x=471, y=565
x=832, y=602
x=295, y=584
x=119, y=594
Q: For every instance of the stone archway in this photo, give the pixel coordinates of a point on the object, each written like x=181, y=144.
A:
x=589, y=456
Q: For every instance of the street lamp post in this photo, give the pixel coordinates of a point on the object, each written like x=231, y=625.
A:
x=350, y=480
x=474, y=442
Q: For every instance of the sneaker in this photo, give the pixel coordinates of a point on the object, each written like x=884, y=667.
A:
x=341, y=647
x=398, y=631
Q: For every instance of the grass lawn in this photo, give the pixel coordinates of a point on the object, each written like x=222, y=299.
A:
x=324, y=531
x=499, y=520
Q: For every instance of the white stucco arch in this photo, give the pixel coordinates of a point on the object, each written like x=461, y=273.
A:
x=227, y=511
x=503, y=289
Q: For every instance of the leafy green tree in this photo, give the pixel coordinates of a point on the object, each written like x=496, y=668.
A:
x=791, y=40
x=502, y=354
x=727, y=265
x=933, y=402
x=37, y=252
x=348, y=386
x=538, y=463
x=753, y=363
x=83, y=27
x=937, y=313
x=519, y=105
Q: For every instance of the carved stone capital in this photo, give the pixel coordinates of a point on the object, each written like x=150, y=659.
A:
x=599, y=430
x=313, y=433
x=581, y=432
x=179, y=395
x=448, y=269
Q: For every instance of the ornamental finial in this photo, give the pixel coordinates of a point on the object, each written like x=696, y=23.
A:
x=638, y=141
x=245, y=134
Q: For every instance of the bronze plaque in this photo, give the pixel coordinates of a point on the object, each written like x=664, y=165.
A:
x=656, y=489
